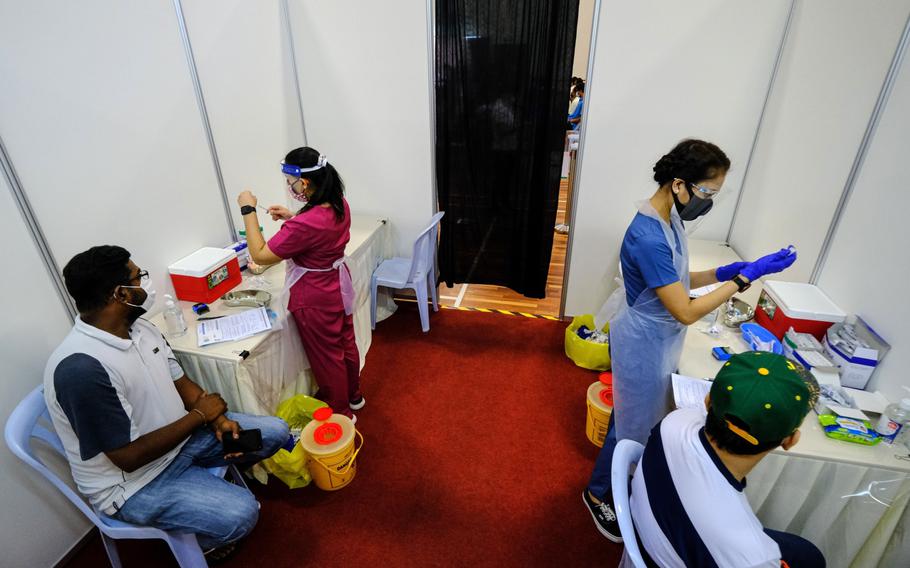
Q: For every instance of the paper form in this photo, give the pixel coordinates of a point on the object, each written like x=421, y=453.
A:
x=699, y=292
x=232, y=328
x=689, y=392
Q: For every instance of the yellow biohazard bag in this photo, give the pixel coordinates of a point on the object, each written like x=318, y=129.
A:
x=290, y=467
x=587, y=354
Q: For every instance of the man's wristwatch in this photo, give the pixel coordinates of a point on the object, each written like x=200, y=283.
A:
x=247, y=209
x=741, y=283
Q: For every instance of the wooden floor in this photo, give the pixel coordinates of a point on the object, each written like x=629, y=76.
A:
x=501, y=298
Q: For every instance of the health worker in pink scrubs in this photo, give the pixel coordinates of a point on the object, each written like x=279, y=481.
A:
x=318, y=288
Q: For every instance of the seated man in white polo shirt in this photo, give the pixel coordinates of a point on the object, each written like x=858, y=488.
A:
x=138, y=432
x=687, y=498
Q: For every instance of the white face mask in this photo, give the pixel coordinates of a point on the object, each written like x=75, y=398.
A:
x=150, y=294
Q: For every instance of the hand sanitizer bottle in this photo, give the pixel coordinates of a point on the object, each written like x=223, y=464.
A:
x=173, y=317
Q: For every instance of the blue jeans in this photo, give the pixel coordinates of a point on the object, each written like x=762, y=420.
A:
x=600, y=485
x=187, y=498
x=797, y=551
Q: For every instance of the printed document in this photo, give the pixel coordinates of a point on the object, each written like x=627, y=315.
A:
x=689, y=392
x=232, y=328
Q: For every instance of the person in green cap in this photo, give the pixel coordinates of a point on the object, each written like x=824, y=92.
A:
x=687, y=497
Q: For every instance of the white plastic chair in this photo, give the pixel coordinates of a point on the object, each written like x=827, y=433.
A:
x=23, y=424
x=625, y=456
x=417, y=273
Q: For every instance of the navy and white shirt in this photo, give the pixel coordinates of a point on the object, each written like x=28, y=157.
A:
x=688, y=509
x=103, y=392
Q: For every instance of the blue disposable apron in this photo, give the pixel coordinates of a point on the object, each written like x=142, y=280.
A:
x=646, y=343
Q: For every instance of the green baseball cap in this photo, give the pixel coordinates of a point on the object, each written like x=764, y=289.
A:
x=767, y=394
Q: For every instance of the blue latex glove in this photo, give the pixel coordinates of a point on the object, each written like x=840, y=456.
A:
x=726, y=273
x=769, y=264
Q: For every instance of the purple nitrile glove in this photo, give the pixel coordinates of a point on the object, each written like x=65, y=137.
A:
x=769, y=264
x=726, y=273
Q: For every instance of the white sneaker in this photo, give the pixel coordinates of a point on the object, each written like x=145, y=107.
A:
x=353, y=419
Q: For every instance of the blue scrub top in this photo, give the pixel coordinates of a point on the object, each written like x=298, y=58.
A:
x=647, y=261
x=577, y=113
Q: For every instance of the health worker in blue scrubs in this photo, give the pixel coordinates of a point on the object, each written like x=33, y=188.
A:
x=647, y=333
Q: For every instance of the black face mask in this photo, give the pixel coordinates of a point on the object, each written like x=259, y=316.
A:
x=695, y=208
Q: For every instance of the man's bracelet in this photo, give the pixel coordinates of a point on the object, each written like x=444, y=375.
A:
x=200, y=413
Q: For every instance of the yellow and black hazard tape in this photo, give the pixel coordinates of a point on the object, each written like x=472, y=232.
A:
x=506, y=312
x=485, y=310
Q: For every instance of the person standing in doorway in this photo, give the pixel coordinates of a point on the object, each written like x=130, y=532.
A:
x=574, y=118
x=318, y=286
x=646, y=335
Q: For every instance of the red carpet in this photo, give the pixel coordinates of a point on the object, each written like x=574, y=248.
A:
x=474, y=455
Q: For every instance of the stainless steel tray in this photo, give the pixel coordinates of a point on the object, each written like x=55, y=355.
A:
x=248, y=298
x=741, y=312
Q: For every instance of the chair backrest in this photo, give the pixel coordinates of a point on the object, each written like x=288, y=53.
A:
x=423, y=258
x=434, y=240
x=625, y=456
x=23, y=425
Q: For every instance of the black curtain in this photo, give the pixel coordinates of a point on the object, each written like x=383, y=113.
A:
x=503, y=69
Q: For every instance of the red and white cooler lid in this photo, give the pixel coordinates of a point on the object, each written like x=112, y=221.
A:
x=804, y=301
x=202, y=262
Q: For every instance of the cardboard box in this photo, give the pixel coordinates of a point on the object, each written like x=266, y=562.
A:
x=856, y=368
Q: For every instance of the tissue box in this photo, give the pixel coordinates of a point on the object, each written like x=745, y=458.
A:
x=856, y=366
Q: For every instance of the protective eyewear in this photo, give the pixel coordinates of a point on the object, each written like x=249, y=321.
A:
x=704, y=192
x=141, y=276
x=296, y=171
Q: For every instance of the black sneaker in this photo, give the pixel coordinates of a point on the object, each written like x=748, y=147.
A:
x=357, y=404
x=604, y=517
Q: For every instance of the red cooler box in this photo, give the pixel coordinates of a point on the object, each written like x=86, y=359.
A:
x=205, y=275
x=804, y=307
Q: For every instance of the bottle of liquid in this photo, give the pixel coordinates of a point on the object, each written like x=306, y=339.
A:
x=894, y=417
x=173, y=317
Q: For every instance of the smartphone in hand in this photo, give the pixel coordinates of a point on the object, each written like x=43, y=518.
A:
x=249, y=441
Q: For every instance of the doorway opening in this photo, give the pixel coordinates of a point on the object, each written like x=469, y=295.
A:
x=473, y=294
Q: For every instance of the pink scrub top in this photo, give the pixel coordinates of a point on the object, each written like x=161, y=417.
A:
x=314, y=239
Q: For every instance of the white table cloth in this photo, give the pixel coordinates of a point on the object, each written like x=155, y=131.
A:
x=276, y=366
x=848, y=499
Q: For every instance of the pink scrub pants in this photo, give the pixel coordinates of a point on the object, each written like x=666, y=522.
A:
x=328, y=339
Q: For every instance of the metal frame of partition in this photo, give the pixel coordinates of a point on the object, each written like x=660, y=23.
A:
x=882, y=100
x=293, y=47
x=761, y=116
x=34, y=229
x=203, y=112
x=589, y=85
x=431, y=70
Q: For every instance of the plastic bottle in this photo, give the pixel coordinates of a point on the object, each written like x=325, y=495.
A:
x=173, y=317
x=893, y=418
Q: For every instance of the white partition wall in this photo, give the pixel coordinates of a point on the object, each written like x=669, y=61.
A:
x=868, y=266
x=243, y=56
x=583, y=38
x=832, y=70
x=34, y=322
x=364, y=78
x=663, y=72
x=99, y=115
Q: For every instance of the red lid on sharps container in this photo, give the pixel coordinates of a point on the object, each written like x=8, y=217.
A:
x=606, y=393
x=327, y=432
